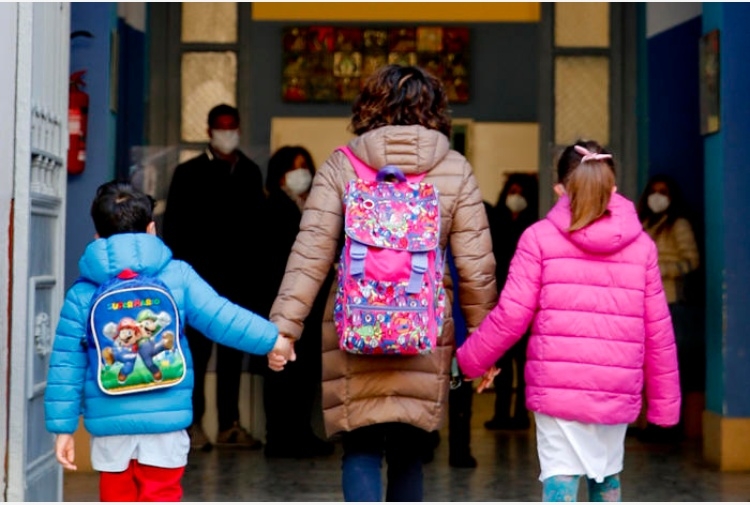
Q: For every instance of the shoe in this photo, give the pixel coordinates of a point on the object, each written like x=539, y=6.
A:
x=237, y=436
x=462, y=461
x=310, y=448
x=198, y=439
x=514, y=423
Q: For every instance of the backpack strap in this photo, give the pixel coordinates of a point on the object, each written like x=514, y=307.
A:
x=367, y=173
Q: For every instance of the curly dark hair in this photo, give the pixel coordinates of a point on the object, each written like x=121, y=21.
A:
x=397, y=95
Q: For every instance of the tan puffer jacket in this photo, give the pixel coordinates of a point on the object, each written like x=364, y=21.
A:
x=363, y=390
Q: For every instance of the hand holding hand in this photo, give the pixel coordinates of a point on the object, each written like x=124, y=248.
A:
x=487, y=379
x=65, y=451
x=282, y=352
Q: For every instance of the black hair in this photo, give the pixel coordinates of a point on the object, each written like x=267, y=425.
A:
x=120, y=208
x=282, y=161
x=222, y=110
x=677, y=207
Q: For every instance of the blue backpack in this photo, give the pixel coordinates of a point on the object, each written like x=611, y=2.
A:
x=135, y=326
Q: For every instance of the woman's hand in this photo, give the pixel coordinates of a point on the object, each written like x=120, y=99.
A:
x=487, y=379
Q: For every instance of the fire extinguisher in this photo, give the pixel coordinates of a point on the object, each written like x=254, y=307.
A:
x=78, y=112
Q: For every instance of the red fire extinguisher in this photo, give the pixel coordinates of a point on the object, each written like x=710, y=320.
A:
x=78, y=112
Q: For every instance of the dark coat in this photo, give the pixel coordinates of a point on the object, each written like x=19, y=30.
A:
x=212, y=221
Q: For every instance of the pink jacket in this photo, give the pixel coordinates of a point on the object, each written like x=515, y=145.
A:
x=600, y=326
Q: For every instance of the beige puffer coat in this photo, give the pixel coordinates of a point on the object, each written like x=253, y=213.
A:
x=363, y=390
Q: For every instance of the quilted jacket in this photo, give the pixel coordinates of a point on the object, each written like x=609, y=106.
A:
x=72, y=388
x=364, y=390
x=600, y=325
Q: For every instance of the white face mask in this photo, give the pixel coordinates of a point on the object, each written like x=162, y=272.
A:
x=658, y=203
x=516, y=203
x=225, y=141
x=298, y=181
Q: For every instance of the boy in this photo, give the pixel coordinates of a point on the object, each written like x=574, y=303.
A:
x=139, y=441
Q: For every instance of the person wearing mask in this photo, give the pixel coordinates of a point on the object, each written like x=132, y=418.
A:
x=289, y=396
x=586, y=278
x=220, y=191
x=663, y=213
x=386, y=406
x=517, y=208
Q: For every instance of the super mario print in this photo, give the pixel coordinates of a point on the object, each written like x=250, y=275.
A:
x=136, y=334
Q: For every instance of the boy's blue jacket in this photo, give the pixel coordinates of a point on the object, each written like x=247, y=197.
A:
x=72, y=387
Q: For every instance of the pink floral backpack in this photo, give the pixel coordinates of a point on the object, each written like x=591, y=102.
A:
x=390, y=298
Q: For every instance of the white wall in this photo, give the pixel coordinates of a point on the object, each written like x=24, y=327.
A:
x=660, y=17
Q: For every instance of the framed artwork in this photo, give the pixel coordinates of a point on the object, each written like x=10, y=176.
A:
x=709, y=83
x=330, y=64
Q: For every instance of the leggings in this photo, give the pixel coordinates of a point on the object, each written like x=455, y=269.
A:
x=565, y=488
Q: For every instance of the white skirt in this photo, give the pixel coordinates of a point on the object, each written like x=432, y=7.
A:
x=573, y=448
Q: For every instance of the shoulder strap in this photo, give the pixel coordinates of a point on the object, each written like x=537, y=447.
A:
x=368, y=173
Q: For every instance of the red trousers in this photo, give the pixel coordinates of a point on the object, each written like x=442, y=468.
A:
x=141, y=483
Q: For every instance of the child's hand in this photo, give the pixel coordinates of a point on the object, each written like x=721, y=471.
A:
x=487, y=379
x=282, y=352
x=65, y=451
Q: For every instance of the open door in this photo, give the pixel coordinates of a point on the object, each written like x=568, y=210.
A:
x=36, y=239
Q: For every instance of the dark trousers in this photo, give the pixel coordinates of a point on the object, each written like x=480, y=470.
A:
x=228, y=373
x=459, y=419
x=289, y=395
x=405, y=448
x=504, y=382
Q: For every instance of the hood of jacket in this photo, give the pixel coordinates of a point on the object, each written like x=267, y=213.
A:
x=106, y=257
x=608, y=234
x=414, y=148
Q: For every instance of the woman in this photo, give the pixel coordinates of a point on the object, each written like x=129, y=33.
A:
x=517, y=208
x=663, y=213
x=289, y=396
x=388, y=405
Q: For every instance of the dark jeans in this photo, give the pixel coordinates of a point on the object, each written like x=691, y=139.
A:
x=228, y=373
x=405, y=448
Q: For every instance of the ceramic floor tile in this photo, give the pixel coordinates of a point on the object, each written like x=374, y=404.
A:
x=508, y=471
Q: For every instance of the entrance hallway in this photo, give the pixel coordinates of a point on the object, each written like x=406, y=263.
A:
x=507, y=471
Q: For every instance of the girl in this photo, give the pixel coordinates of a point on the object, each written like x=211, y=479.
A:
x=389, y=405
x=587, y=280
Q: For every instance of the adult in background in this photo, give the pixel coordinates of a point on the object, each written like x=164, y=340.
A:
x=664, y=215
x=212, y=222
x=289, y=395
x=517, y=208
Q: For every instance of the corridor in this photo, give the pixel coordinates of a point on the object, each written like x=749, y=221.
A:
x=507, y=471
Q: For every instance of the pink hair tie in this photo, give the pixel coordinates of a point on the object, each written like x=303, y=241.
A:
x=589, y=156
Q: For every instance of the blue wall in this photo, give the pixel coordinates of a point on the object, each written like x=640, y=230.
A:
x=674, y=139
x=132, y=94
x=94, y=56
x=727, y=154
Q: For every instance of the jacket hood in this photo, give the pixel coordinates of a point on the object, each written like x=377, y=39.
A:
x=414, y=149
x=608, y=234
x=106, y=257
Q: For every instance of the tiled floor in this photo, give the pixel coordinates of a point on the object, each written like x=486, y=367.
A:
x=507, y=471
